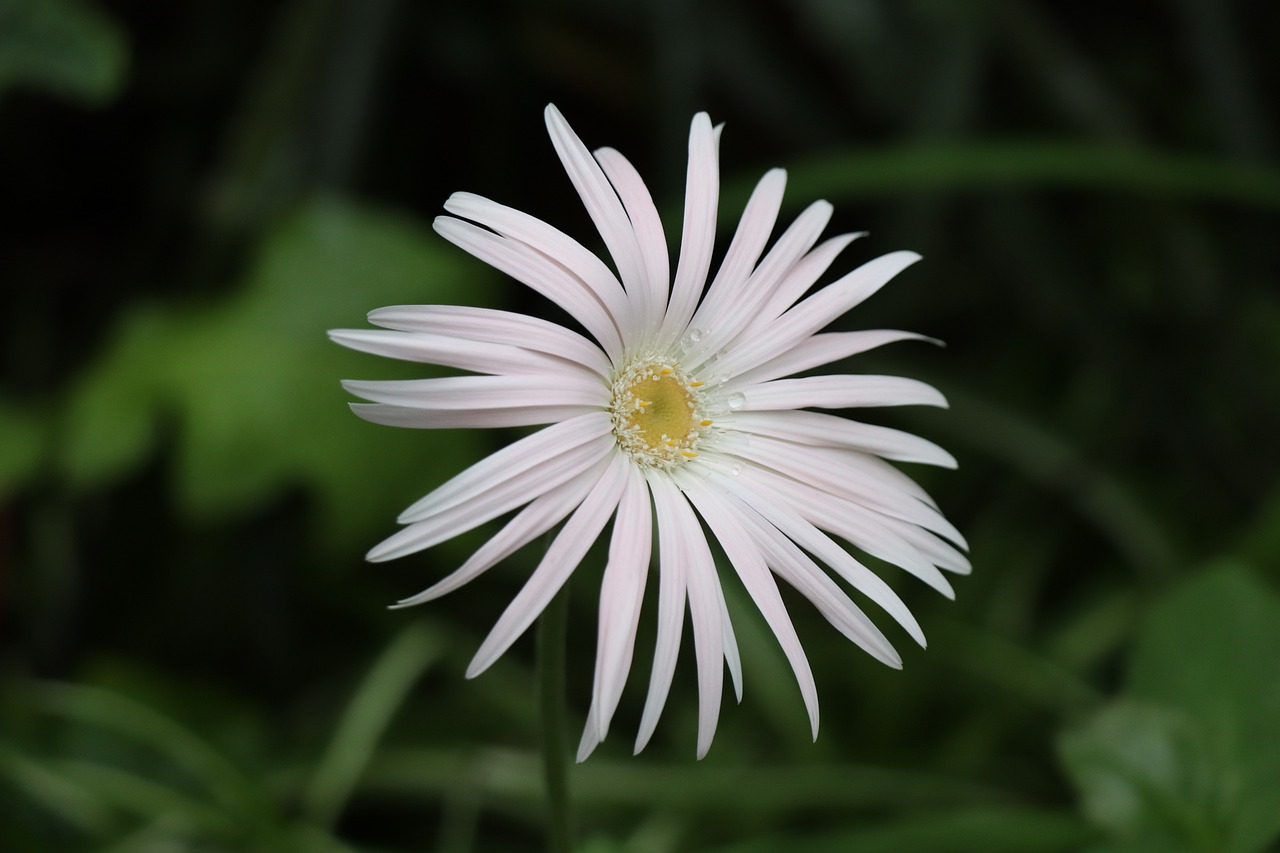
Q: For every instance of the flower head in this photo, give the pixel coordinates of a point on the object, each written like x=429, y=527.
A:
x=677, y=407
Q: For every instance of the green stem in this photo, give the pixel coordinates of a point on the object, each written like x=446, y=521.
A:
x=552, y=630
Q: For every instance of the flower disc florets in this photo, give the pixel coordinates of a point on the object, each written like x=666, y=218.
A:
x=657, y=412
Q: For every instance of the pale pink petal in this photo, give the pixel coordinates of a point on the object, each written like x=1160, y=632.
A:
x=404, y=416
x=732, y=658
x=510, y=461
x=814, y=313
x=490, y=325
x=484, y=392
x=831, y=473
x=548, y=241
x=539, y=272
x=802, y=276
x=851, y=521
x=749, y=563
x=475, y=356
x=744, y=250
x=824, y=548
x=796, y=568
x=841, y=391
x=650, y=298
x=601, y=201
x=697, y=238
x=742, y=301
x=673, y=561
x=705, y=616
x=824, y=349
x=563, y=556
x=825, y=430
x=537, y=518
x=621, y=592
x=503, y=497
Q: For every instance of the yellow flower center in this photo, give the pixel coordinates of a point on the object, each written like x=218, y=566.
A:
x=657, y=415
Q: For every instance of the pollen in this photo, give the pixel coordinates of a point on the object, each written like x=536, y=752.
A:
x=657, y=414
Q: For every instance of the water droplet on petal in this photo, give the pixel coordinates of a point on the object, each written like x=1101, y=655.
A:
x=735, y=469
x=691, y=339
x=736, y=400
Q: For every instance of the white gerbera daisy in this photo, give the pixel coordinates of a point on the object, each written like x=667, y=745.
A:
x=677, y=409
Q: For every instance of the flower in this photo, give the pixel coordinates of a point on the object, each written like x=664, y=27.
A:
x=680, y=408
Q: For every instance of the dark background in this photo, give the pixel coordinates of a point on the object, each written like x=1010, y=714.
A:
x=195, y=656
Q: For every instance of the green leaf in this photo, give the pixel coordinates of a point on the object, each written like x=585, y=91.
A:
x=22, y=441
x=252, y=383
x=63, y=47
x=1190, y=757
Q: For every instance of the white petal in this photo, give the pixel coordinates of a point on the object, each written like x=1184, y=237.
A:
x=820, y=545
x=510, y=461
x=621, y=592
x=824, y=349
x=539, y=272
x=825, y=430
x=749, y=240
x=501, y=498
x=803, y=275
x=485, y=392
x=548, y=241
x=750, y=565
x=839, y=391
x=705, y=616
x=829, y=471
x=489, y=325
x=650, y=298
x=563, y=556
x=857, y=524
x=403, y=416
x=476, y=356
x=673, y=560
x=732, y=658
x=531, y=522
x=815, y=312
x=600, y=199
x=697, y=238
x=741, y=301
x=797, y=569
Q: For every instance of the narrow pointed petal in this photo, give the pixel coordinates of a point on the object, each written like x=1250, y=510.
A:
x=824, y=349
x=697, y=237
x=485, y=392
x=824, y=548
x=531, y=522
x=476, y=356
x=510, y=461
x=491, y=503
x=732, y=657
x=750, y=565
x=815, y=312
x=650, y=296
x=489, y=325
x=563, y=556
x=803, y=276
x=673, y=560
x=550, y=242
x=601, y=201
x=621, y=592
x=403, y=416
x=538, y=272
x=823, y=430
x=840, y=392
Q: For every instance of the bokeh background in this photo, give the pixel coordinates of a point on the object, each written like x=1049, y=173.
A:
x=195, y=655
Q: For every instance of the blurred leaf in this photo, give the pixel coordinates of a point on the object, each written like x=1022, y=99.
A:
x=371, y=709
x=253, y=381
x=988, y=830
x=1191, y=757
x=22, y=441
x=64, y=47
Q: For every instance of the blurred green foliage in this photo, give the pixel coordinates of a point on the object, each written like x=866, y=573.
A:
x=195, y=657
